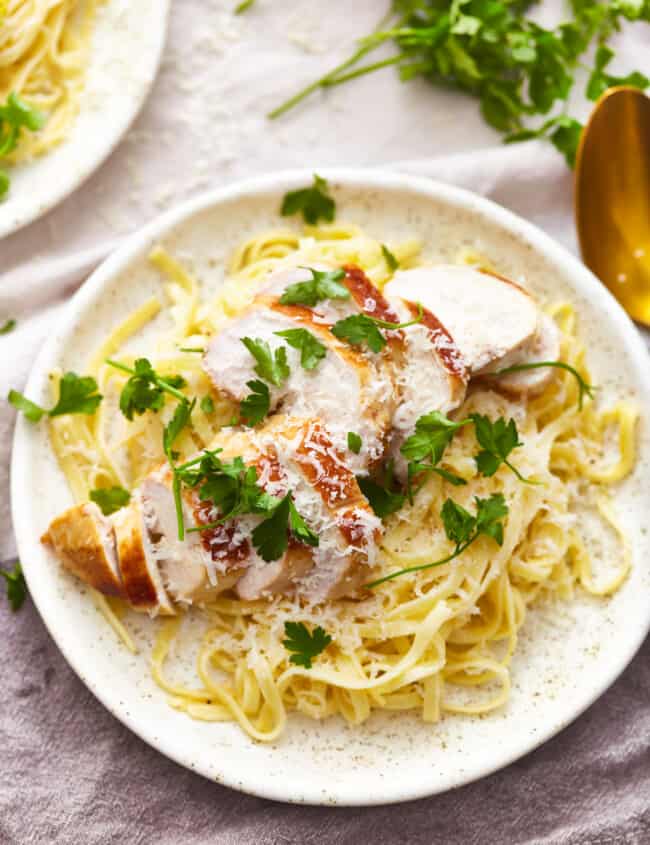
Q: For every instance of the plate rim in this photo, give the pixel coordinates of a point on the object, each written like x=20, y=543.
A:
x=584, y=283
x=104, y=149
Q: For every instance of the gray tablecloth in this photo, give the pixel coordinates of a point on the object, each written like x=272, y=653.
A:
x=69, y=772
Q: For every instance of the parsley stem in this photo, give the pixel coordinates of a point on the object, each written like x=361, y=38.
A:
x=162, y=384
x=522, y=478
x=191, y=349
x=583, y=387
x=362, y=71
x=457, y=551
x=323, y=82
x=178, y=503
x=385, y=324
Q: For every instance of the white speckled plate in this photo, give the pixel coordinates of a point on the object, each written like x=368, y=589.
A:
x=568, y=654
x=127, y=47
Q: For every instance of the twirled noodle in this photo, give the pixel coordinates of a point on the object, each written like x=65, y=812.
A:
x=44, y=51
x=439, y=641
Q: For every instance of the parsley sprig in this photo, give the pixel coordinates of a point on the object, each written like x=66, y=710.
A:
x=314, y=203
x=361, y=328
x=324, y=284
x=462, y=528
x=497, y=440
x=254, y=407
x=16, y=586
x=16, y=116
x=518, y=70
x=305, y=646
x=311, y=349
x=230, y=486
x=271, y=537
x=425, y=448
x=77, y=395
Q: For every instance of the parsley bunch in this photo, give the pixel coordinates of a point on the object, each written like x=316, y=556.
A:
x=491, y=49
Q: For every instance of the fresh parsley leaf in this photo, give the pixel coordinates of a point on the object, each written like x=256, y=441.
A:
x=30, y=409
x=463, y=528
x=299, y=528
x=354, y=442
x=311, y=350
x=271, y=366
x=16, y=586
x=382, y=499
x=77, y=395
x=110, y=499
x=489, y=515
x=390, y=259
x=584, y=389
x=244, y=6
x=145, y=389
x=8, y=326
x=497, y=439
x=459, y=524
x=271, y=537
x=313, y=203
x=324, y=284
x=180, y=419
x=359, y=329
x=207, y=405
x=304, y=645
x=256, y=405
x=433, y=433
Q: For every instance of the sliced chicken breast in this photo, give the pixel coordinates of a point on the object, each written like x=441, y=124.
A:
x=188, y=571
x=488, y=317
x=83, y=540
x=143, y=584
x=430, y=374
x=327, y=496
x=348, y=390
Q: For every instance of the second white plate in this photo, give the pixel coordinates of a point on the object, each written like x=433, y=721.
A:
x=127, y=48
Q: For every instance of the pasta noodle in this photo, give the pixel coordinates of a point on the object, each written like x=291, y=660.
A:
x=44, y=50
x=438, y=641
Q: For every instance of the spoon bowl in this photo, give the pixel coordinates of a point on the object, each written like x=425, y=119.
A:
x=612, y=197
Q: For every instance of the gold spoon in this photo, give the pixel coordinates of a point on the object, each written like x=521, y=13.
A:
x=612, y=197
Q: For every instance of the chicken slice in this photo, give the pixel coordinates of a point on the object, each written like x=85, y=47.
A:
x=143, y=584
x=189, y=571
x=487, y=316
x=348, y=390
x=328, y=497
x=84, y=542
x=430, y=375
